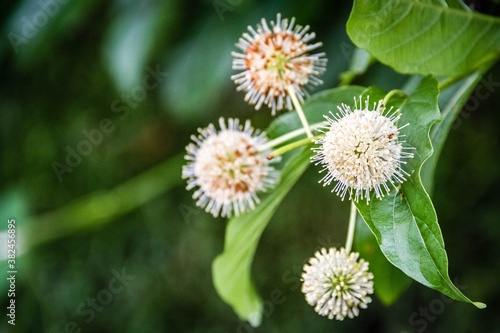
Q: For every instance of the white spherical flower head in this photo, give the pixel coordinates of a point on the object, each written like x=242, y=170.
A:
x=276, y=57
x=337, y=284
x=361, y=150
x=228, y=168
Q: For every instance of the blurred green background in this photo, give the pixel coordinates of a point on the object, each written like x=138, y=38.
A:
x=74, y=66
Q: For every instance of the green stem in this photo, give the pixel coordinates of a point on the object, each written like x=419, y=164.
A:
x=101, y=207
x=392, y=93
x=299, y=110
x=285, y=137
x=352, y=226
x=280, y=151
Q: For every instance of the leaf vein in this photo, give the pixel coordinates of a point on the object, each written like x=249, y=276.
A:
x=412, y=38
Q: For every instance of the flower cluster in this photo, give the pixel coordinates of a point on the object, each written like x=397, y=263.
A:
x=337, y=284
x=228, y=168
x=275, y=58
x=361, y=150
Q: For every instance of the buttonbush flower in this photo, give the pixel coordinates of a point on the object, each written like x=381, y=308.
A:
x=227, y=168
x=337, y=284
x=276, y=57
x=361, y=150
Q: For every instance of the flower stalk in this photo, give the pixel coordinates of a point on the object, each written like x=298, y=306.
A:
x=300, y=112
x=390, y=94
x=351, y=228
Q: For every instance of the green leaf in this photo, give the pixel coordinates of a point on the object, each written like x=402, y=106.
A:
x=405, y=222
x=389, y=281
x=424, y=37
x=315, y=108
x=231, y=269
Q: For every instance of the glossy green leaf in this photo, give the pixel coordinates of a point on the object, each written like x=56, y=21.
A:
x=405, y=222
x=315, y=108
x=231, y=269
x=424, y=36
x=389, y=281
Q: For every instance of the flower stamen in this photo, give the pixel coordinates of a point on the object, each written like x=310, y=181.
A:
x=274, y=57
x=361, y=151
x=337, y=284
x=227, y=168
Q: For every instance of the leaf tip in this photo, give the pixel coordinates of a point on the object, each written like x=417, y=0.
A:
x=479, y=305
x=255, y=318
